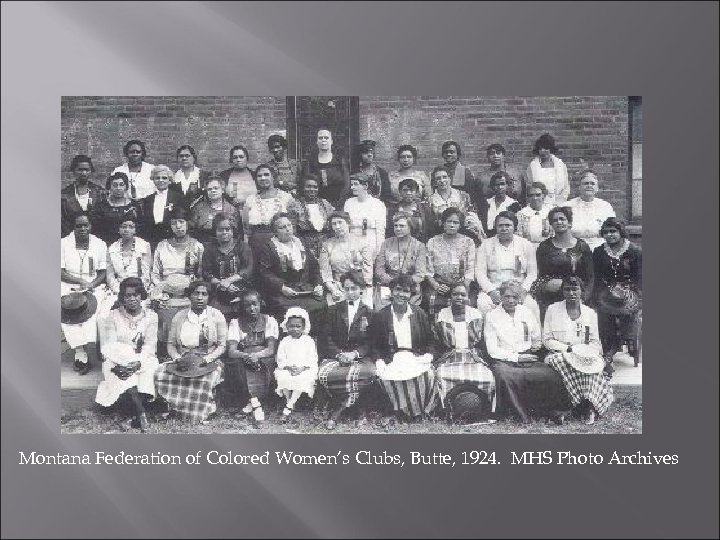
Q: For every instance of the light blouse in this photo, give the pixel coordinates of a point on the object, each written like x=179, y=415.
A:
x=134, y=263
x=559, y=330
x=496, y=263
x=83, y=263
x=140, y=182
x=506, y=336
x=588, y=217
x=259, y=211
x=452, y=260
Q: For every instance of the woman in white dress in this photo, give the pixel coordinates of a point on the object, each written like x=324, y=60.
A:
x=129, y=256
x=533, y=222
x=589, y=212
x=368, y=216
x=550, y=170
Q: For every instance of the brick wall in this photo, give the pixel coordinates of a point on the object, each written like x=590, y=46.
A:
x=589, y=129
x=100, y=126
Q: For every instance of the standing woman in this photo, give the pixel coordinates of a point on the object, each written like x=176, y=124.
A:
x=188, y=178
x=260, y=208
x=239, y=180
x=422, y=221
x=533, y=223
x=570, y=333
x=407, y=156
x=128, y=257
x=499, y=202
x=451, y=261
x=368, y=216
x=618, y=278
x=128, y=343
x=558, y=257
x=378, y=180
x=286, y=169
x=460, y=176
x=209, y=205
x=445, y=196
x=589, y=212
x=310, y=214
x=197, y=339
x=79, y=197
x=109, y=212
x=227, y=264
x=549, y=169
x=330, y=168
x=138, y=171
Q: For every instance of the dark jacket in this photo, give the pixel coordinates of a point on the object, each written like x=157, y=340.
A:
x=70, y=207
x=154, y=232
x=383, y=343
x=335, y=337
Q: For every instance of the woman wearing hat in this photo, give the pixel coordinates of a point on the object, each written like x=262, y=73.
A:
x=197, y=339
x=81, y=196
x=330, y=168
x=570, y=333
x=128, y=343
x=309, y=214
x=458, y=332
x=407, y=156
x=227, y=264
x=378, y=179
x=589, y=211
x=138, y=171
x=549, y=169
x=422, y=221
x=83, y=259
x=207, y=206
x=618, y=274
x=525, y=386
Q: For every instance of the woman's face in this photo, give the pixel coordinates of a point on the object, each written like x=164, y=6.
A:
x=251, y=305
x=223, y=231
x=401, y=295
x=82, y=228
x=458, y=296
x=82, y=172
x=117, y=188
x=283, y=230
x=324, y=140
x=504, y=228
x=450, y=154
x=127, y=230
x=544, y=154
x=214, y=190
x=278, y=151
x=612, y=236
x=339, y=227
x=199, y=298
x=366, y=157
x=452, y=224
x=496, y=158
x=408, y=194
x=135, y=154
x=162, y=179
x=178, y=227
x=572, y=293
x=406, y=159
x=588, y=187
x=500, y=187
x=509, y=299
x=186, y=159
x=352, y=291
x=264, y=179
x=131, y=299
x=358, y=188
x=442, y=180
x=238, y=159
x=536, y=198
x=401, y=228
x=295, y=327
x=311, y=190
x=559, y=222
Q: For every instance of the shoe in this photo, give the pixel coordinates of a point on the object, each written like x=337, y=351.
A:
x=287, y=412
x=78, y=365
x=258, y=414
x=247, y=409
x=330, y=425
x=589, y=418
x=86, y=368
x=143, y=421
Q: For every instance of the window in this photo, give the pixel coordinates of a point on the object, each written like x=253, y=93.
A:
x=635, y=129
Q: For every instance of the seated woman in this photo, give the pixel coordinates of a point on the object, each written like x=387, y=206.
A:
x=340, y=254
x=525, y=386
x=109, y=212
x=422, y=221
x=128, y=339
x=346, y=369
x=499, y=202
x=252, y=341
x=451, y=260
x=458, y=332
x=401, y=342
x=407, y=156
x=128, y=257
x=239, y=179
x=289, y=274
x=227, y=264
x=560, y=256
x=570, y=333
x=260, y=208
x=401, y=254
x=82, y=270
x=207, y=207
x=549, y=169
x=197, y=339
x=157, y=209
x=445, y=196
x=368, y=216
x=310, y=214
x=505, y=257
x=618, y=277
x=589, y=211
x=533, y=223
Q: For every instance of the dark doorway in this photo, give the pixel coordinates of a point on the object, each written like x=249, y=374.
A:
x=339, y=114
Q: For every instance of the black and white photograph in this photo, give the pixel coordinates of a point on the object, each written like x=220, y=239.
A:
x=351, y=264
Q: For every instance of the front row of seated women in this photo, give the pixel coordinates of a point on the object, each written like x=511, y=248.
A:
x=395, y=359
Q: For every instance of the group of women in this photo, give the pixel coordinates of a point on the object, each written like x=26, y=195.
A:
x=401, y=292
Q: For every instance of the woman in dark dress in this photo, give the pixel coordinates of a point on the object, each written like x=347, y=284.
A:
x=330, y=168
x=79, y=197
x=109, y=213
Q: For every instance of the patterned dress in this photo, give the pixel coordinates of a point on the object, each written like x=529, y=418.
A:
x=451, y=260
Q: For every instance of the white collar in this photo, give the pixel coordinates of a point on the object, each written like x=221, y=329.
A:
x=404, y=317
x=197, y=319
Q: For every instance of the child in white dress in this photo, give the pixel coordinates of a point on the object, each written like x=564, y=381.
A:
x=297, y=360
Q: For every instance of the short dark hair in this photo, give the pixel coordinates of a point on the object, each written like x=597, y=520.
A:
x=115, y=176
x=339, y=214
x=452, y=211
x=538, y=185
x=407, y=148
x=573, y=281
x=192, y=287
x=614, y=223
x=81, y=158
x=355, y=277
x=304, y=178
x=404, y=281
x=409, y=182
x=497, y=176
x=272, y=139
x=239, y=147
x=179, y=212
x=141, y=144
x=495, y=146
x=437, y=170
x=220, y=217
x=134, y=282
x=546, y=141
x=273, y=171
x=507, y=215
x=277, y=217
x=448, y=144
x=189, y=148
x=565, y=210
x=360, y=178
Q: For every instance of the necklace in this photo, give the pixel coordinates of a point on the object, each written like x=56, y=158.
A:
x=404, y=255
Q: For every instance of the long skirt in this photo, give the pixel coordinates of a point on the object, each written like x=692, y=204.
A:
x=112, y=387
x=165, y=317
x=594, y=387
x=247, y=383
x=462, y=366
x=191, y=397
x=525, y=389
x=413, y=395
x=346, y=382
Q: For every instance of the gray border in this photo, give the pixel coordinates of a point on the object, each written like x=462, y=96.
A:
x=666, y=52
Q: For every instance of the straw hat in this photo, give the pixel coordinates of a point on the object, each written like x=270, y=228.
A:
x=191, y=365
x=77, y=307
x=585, y=359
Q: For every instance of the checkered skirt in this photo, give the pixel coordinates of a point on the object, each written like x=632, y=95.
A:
x=462, y=366
x=346, y=381
x=191, y=397
x=594, y=387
